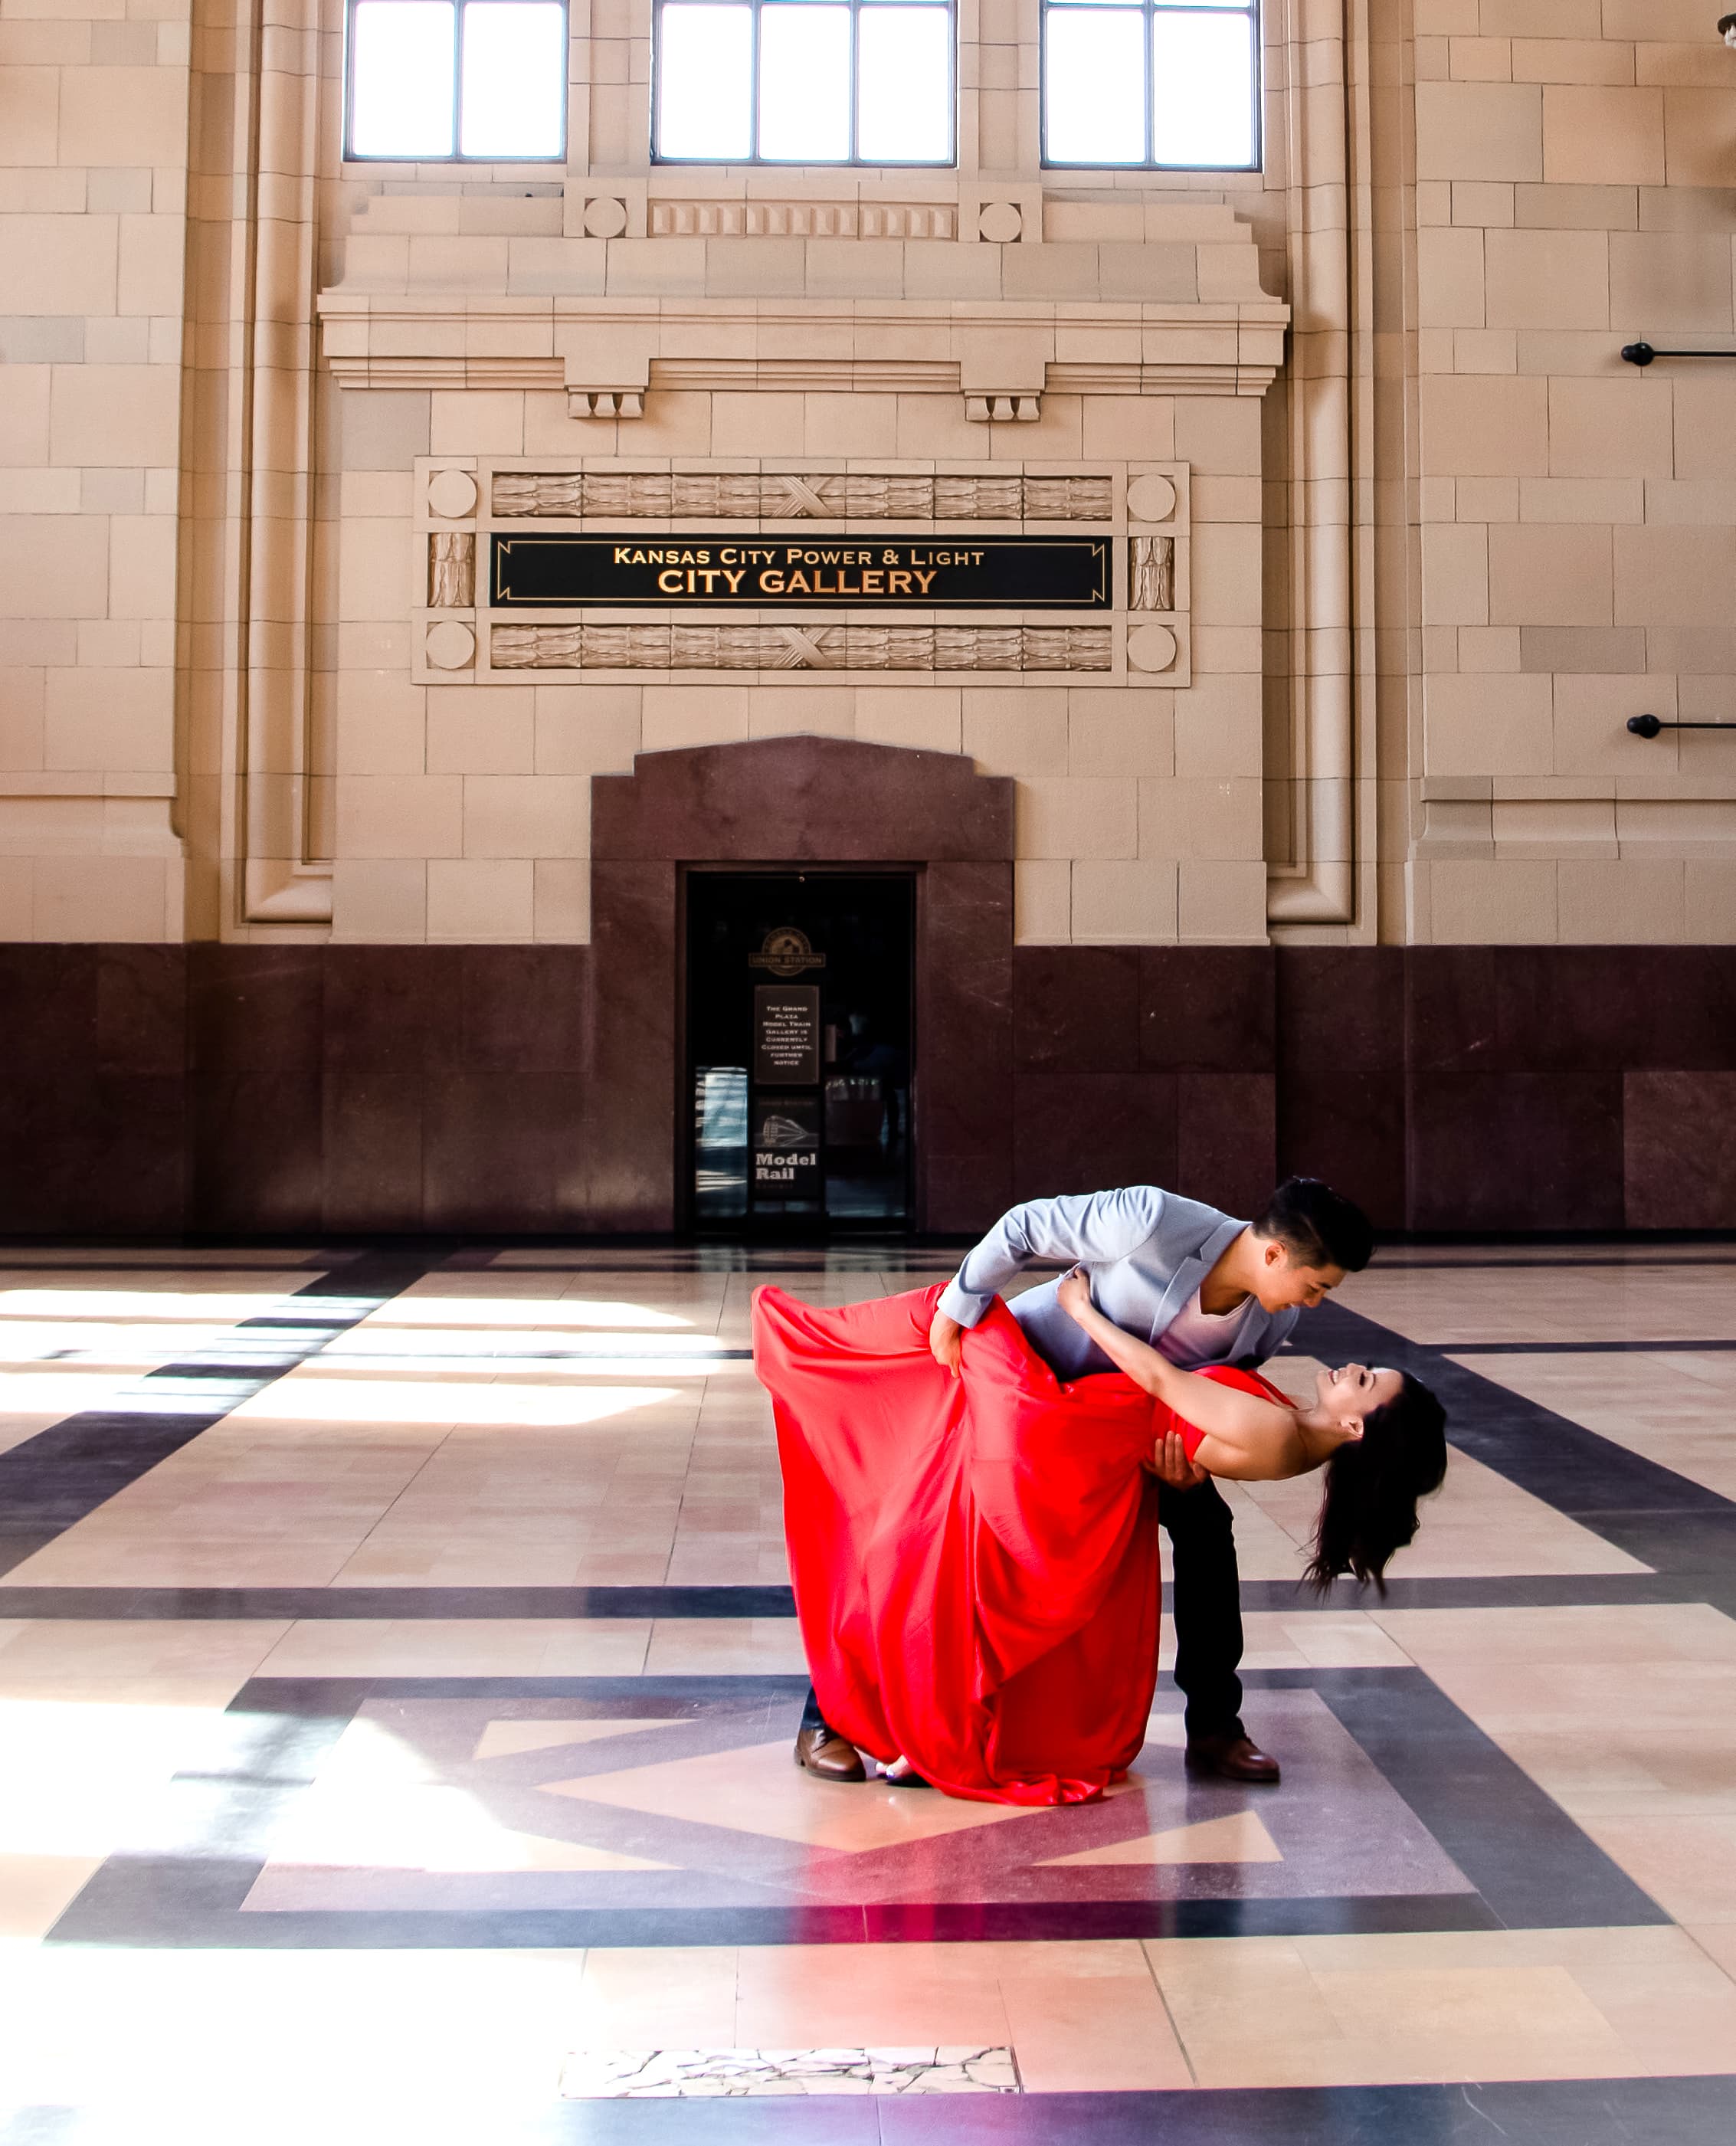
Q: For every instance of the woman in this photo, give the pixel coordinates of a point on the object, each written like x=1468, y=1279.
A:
x=975, y=1560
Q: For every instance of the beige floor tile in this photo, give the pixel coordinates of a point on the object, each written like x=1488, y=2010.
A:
x=1644, y=1632
x=852, y=1996
x=459, y=1647
x=725, y=1646
x=1677, y=2017
x=1325, y=2012
x=37, y=1890
x=44, y=1649
x=658, y=1997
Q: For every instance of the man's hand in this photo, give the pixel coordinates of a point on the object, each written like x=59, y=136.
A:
x=1171, y=1466
x=946, y=1339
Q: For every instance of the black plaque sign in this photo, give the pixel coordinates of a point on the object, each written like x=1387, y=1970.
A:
x=552, y=571
x=786, y=1034
x=786, y=1146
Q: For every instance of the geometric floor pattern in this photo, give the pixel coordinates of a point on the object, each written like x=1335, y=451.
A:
x=398, y=1680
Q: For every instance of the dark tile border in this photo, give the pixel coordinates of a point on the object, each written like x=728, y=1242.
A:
x=1579, y=1347
x=1530, y=1865
x=418, y=1604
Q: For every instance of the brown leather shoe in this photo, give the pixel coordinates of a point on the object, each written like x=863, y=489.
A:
x=823, y=1753
x=1232, y=1758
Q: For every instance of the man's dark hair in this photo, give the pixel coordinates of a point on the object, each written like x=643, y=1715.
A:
x=1317, y=1226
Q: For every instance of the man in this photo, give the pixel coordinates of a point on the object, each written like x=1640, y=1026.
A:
x=1203, y=1289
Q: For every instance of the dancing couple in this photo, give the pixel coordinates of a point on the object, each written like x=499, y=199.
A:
x=973, y=1488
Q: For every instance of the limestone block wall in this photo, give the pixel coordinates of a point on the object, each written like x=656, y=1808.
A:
x=1577, y=515
x=93, y=157
x=462, y=809
x=1435, y=562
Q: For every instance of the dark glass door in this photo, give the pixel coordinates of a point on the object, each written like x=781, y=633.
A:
x=799, y=1049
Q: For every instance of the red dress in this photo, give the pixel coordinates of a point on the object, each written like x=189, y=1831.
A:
x=975, y=1560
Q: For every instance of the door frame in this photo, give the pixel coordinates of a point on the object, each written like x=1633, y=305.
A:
x=830, y=801
x=686, y=1224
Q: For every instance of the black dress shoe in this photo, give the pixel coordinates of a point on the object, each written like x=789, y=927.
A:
x=1232, y=1757
x=823, y=1753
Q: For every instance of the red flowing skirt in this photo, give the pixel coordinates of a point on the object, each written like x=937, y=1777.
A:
x=975, y=1560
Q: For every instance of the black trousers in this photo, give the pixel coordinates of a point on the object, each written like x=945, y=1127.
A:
x=1204, y=1600
x=1206, y=1603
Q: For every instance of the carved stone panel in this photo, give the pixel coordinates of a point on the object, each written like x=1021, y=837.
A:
x=452, y=570
x=853, y=495
x=773, y=648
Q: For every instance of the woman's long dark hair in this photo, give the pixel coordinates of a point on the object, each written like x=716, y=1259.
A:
x=1369, y=1510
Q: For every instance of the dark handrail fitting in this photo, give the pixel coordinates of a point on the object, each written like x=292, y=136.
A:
x=1648, y=726
x=1643, y=353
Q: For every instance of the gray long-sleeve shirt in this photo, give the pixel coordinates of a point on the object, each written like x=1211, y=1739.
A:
x=1146, y=1252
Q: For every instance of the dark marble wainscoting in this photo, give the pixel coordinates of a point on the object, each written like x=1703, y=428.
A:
x=247, y=1089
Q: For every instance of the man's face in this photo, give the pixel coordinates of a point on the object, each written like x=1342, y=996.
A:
x=1285, y=1282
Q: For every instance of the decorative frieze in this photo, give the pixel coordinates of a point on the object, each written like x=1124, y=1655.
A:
x=787, y=495
x=774, y=648
x=786, y=219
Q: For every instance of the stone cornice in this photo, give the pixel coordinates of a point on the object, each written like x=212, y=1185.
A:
x=1001, y=357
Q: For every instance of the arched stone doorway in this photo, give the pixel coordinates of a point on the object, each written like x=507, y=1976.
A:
x=789, y=801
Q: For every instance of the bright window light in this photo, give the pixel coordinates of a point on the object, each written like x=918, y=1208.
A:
x=481, y=79
x=401, y=59
x=1202, y=77
x=804, y=82
x=904, y=84
x=1173, y=84
x=705, y=82
x=513, y=96
x=1096, y=85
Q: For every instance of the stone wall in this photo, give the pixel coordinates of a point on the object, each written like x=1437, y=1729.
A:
x=1577, y=514
x=322, y=1090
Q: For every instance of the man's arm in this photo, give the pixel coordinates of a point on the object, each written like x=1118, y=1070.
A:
x=1087, y=1228
x=1251, y=1438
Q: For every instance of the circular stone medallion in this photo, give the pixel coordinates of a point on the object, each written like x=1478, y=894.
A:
x=605, y=217
x=1000, y=222
x=452, y=494
x=1150, y=648
x=450, y=646
x=1151, y=499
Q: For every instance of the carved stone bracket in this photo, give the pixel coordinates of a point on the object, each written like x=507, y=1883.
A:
x=1003, y=409
x=604, y=403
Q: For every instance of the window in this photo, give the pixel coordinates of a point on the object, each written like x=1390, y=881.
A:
x=1172, y=83
x=484, y=79
x=803, y=82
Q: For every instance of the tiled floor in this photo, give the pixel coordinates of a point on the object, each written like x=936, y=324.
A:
x=397, y=1676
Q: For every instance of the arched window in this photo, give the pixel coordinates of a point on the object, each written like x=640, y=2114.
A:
x=803, y=82
x=1168, y=84
x=427, y=80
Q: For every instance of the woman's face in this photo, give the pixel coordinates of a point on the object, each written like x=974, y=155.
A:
x=1354, y=1392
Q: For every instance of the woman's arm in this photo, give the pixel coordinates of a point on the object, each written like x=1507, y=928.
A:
x=1246, y=1437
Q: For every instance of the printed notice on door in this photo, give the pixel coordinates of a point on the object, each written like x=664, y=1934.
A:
x=786, y=1034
